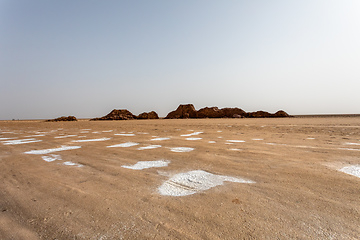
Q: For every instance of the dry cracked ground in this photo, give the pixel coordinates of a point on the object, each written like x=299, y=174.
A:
x=293, y=178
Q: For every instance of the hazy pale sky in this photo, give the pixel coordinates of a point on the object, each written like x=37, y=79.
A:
x=85, y=58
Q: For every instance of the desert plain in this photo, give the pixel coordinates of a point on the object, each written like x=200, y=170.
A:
x=278, y=178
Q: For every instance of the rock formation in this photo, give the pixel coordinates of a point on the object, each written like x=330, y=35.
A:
x=117, y=114
x=188, y=111
x=69, y=118
x=149, y=115
x=183, y=111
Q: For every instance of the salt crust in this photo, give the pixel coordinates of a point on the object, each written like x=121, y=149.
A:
x=149, y=147
x=352, y=170
x=51, y=158
x=160, y=139
x=235, y=141
x=192, y=182
x=68, y=163
x=193, y=139
x=66, y=136
x=20, y=141
x=349, y=143
x=125, y=134
x=127, y=144
x=46, y=151
x=212, y=142
x=148, y=164
x=92, y=140
x=181, y=149
x=191, y=134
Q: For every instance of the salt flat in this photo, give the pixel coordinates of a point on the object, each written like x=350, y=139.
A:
x=292, y=178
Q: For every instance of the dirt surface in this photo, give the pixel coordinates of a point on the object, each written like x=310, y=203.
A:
x=290, y=185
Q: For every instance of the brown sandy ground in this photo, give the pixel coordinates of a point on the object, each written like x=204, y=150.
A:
x=298, y=194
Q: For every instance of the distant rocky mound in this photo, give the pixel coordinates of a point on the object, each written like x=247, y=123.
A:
x=149, y=115
x=183, y=111
x=188, y=111
x=124, y=114
x=69, y=118
x=117, y=114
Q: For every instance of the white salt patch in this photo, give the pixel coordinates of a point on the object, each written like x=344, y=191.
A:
x=148, y=164
x=219, y=137
x=352, y=170
x=125, y=134
x=181, y=149
x=257, y=139
x=348, y=143
x=235, y=141
x=6, y=138
x=68, y=163
x=160, y=139
x=212, y=142
x=20, y=141
x=219, y=131
x=192, y=182
x=127, y=144
x=37, y=135
x=274, y=144
x=46, y=151
x=310, y=138
x=235, y=149
x=142, y=133
x=84, y=132
x=51, y=158
x=95, y=132
x=92, y=140
x=350, y=149
x=107, y=131
x=193, y=139
x=191, y=134
x=65, y=136
x=149, y=147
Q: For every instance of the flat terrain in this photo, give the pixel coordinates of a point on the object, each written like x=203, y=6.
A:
x=274, y=179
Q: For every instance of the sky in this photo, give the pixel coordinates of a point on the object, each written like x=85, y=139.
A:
x=85, y=58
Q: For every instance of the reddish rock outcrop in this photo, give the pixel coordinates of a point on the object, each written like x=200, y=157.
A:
x=69, y=118
x=149, y=115
x=232, y=112
x=209, y=112
x=188, y=111
x=117, y=114
x=281, y=113
x=183, y=111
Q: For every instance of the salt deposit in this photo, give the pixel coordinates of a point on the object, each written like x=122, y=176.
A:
x=5, y=138
x=350, y=149
x=107, y=131
x=193, y=139
x=46, y=151
x=148, y=164
x=352, y=170
x=257, y=139
x=51, y=158
x=92, y=140
x=235, y=141
x=192, y=182
x=191, y=134
x=160, y=139
x=125, y=134
x=20, y=141
x=181, y=149
x=68, y=163
x=65, y=136
x=310, y=138
x=235, y=149
x=349, y=143
x=149, y=147
x=212, y=142
x=127, y=144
